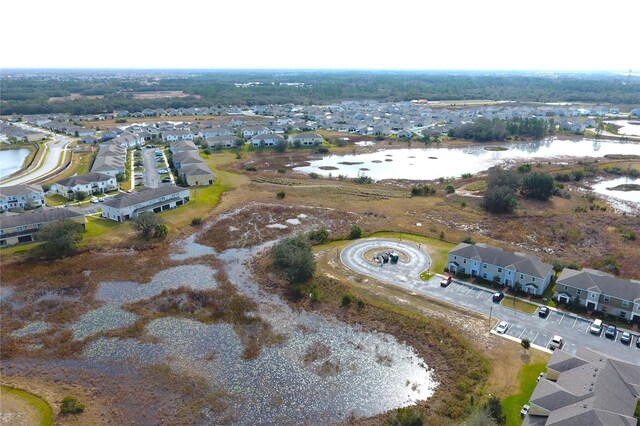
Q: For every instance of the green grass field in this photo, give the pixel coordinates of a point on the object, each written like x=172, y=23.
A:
x=512, y=405
x=41, y=410
x=520, y=305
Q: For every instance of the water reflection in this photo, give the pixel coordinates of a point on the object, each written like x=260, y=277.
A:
x=418, y=164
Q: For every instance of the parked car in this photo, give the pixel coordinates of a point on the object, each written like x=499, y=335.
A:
x=165, y=180
x=556, y=343
x=525, y=410
x=101, y=200
x=596, y=327
x=543, y=312
x=94, y=200
x=445, y=281
x=611, y=332
x=638, y=342
x=497, y=297
x=540, y=376
x=502, y=327
x=625, y=338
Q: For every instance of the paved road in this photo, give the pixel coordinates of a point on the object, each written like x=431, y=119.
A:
x=574, y=330
x=151, y=176
x=57, y=148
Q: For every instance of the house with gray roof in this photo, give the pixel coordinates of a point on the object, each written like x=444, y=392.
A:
x=585, y=389
x=125, y=206
x=221, y=141
x=18, y=228
x=110, y=160
x=306, y=139
x=21, y=196
x=494, y=264
x=89, y=183
x=599, y=291
x=266, y=140
x=181, y=146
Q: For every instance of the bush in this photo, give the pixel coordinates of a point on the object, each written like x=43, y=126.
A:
x=314, y=175
x=468, y=240
x=356, y=232
x=422, y=191
x=320, y=236
x=295, y=258
x=315, y=294
x=280, y=195
x=494, y=407
x=71, y=405
x=500, y=199
x=346, y=300
x=449, y=189
x=196, y=221
x=406, y=416
x=538, y=186
x=60, y=238
x=79, y=195
x=146, y=223
x=161, y=231
x=251, y=168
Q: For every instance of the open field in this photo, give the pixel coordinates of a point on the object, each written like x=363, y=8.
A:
x=161, y=94
x=73, y=97
x=526, y=381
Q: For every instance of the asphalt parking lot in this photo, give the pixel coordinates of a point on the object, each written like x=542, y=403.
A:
x=573, y=329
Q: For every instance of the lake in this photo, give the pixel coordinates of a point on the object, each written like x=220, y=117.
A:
x=627, y=201
x=11, y=161
x=433, y=163
x=628, y=127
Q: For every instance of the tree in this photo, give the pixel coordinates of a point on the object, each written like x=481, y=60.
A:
x=494, y=406
x=500, y=199
x=60, y=238
x=294, y=257
x=120, y=177
x=146, y=223
x=356, y=232
x=537, y=185
x=71, y=405
x=79, y=195
x=526, y=344
x=450, y=189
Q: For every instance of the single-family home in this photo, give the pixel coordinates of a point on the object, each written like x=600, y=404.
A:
x=266, y=140
x=221, y=141
x=18, y=228
x=89, y=139
x=527, y=272
x=23, y=196
x=128, y=140
x=90, y=183
x=181, y=146
x=404, y=134
x=306, y=139
x=177, y=135
x=250, y=131
x=599, y=291
x=126, y=206
x=587, y=388
x=182, y=158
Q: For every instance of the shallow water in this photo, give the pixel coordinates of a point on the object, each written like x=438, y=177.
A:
x=626, y=201
x=11, y=160
x=31, y=328
x=433, y=163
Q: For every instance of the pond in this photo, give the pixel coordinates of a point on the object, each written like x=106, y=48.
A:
x=433, y=163
x=628, y=127
x=11, y=161
x=624, y=200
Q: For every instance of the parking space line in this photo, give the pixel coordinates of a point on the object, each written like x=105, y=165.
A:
x=490, y=299
x=480, y=293
x=559, y=322
x=522, y=333
x=575, y=322
x=470, y=290
x=534, y=339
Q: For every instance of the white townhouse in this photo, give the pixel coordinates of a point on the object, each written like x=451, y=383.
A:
x=177, y=135
x=21, y=196
x=90, y=183
x=267, y=140
x=250, y=131
x=126, y=206
x=306, y=139
x=494, y=264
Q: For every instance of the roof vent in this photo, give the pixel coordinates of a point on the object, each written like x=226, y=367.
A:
x=590, y=389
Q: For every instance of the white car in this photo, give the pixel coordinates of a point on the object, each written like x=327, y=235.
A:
x=556, y=343
x=502, y=327
x=94, y=200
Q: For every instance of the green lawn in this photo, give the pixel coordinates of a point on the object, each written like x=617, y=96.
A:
x=56, y=200
x=97, y=226
x=512, y=404
x=45, y=413
x=526, y=307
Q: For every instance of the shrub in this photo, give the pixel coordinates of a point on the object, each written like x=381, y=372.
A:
x=537, y=185
x=196, y=221
x=314, y=175
x=494, y=407
x=315, y=294
x=449, y=189
x=161, y=230
x=422, y=191
x=468, y=240
x=346, y=300
x=251, y=168
x=71, y=405
x=60, y=238
x=79, y=195
x=295, y=258
x=320, y=236
x=280, y=195
x=406, y=416
x=356, y=232
x=146, y=223
x=466, y=175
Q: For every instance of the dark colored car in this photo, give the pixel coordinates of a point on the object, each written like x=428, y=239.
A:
x=625, y=338
x=165, y=180
x=497, y=297
x=543, y=312
x=638, y=342
x=611, y=332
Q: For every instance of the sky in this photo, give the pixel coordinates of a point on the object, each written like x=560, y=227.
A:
x=327, y=34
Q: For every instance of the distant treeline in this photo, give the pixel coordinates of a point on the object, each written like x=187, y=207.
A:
x=29, y=92
x=496, y=129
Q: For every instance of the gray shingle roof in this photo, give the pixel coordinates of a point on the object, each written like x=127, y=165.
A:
x=34, y=217
x=15, y=190
x=84, y=179
x=195, y=169
x=601, y=282
x=519, y=262
x=144, y=195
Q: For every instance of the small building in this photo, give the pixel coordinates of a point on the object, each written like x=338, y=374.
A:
x=126, y=206
x=266, y=140
x=89, y=139
x=182, y=146
x=196, y=174
x=219, y=142
x=19, y=228
x=111, y=160
x=24, y=196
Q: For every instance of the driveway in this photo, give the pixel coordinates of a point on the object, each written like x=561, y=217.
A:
x=573, y=329
x=151, y=176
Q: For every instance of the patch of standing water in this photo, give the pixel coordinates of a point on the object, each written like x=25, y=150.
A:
x=197, y=277
x=277, y=226
x=188, y=249
x=626, y=201
x=105, y=318
x=456, y=161
x=293, y=221
x=31, y=328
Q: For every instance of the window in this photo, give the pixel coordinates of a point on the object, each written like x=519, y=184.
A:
x=623, y=314
x=566, y=287
x=484, y=265
x=521, y=276
x=604, y=309
x=625, y=303
x=578, y=292
x=455, y=257
x=607, y=298
x=499, y=269
x=593, y=295
x=464, y=261
x=533, y=279
x=484, y=275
